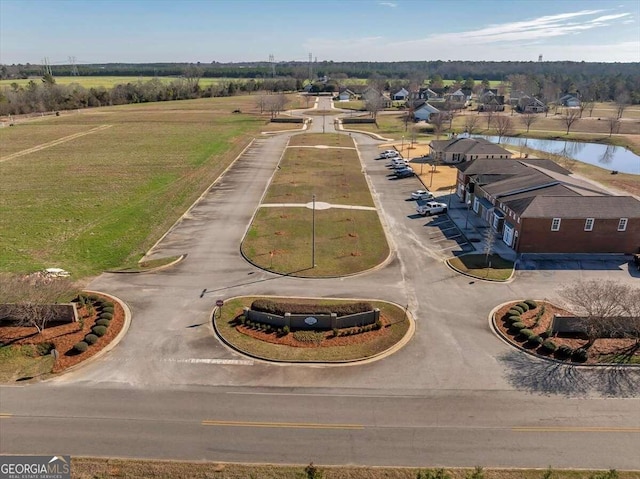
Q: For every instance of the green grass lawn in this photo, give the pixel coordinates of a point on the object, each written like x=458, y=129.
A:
x=347, y=241
x=100, y=201
x=233, y=308
x=497, y=269
x=22, y=362
x=111, y=81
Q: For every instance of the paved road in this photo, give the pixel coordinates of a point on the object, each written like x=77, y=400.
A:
x=452, y=396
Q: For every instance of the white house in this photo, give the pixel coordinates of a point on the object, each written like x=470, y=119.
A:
x=400, y=95
x=424, y=112
x=569, y=101
x=346, y=95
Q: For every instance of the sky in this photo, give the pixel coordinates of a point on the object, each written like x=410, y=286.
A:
x=146, y=31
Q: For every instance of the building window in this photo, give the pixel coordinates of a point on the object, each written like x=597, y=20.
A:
x=622, y=224
x=588, y=224
x=555, y=224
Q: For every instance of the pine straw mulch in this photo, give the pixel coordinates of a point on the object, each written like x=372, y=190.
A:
x=597, y=352
x=329, y=338
x=64, y=336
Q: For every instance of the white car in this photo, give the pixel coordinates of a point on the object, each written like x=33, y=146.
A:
x=431, y=207
x=389, y=154
x=421, y=195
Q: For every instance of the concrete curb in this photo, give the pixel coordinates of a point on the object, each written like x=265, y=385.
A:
x=375, y=136
x=108, y=347
x=347, y=362
x=153, y=270
x=505, y=339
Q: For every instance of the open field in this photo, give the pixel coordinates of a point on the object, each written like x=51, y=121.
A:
x=101, y=200
x=347, y=241
x=103, y=468
x=110, y=82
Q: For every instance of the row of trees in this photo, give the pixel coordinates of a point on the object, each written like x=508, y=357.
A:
x=46, y=95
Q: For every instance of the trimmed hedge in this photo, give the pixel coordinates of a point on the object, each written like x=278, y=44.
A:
x=280, y=308
x=518, y=326
x=531, y=303
x=523, y=306
x=514, y=312
x=549, y=345
x=103, y=322
x=564, y=351
x=536, y=340
x=99, y=330
x=105, y=316
x=527, y=333
x=580, y=355
x=518, y=309
x=90, y=339
x=107, y=309
x=514, y=319
x=81, y=347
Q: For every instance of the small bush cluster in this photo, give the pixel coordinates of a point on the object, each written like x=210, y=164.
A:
x=549, y=345
x=523, y=306
x=514, y=312
x=103, y=322
x=539, y=315
x=580, y=355
x=527, y=333
x=45, y=348
x=99, y=330
x=91, y=339
x=108, y=316
x=81, y=347
x=564, y=351
x=531, y=303
x=517, y=326
x=280, y=308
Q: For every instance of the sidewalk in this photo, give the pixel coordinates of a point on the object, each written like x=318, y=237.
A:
x=473, y=227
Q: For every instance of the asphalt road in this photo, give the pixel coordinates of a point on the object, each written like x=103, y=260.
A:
x=455, y=395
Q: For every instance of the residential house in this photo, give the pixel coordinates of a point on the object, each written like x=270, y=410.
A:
x=424, y=112
x=371, y=94
x=569, y=101
x=529, y=104
x=400, y=95
x=489, y=100
x=514, y=97
x=537, y=207
x=429, y=94
x=346, y=95
x=456, y=100
x=458, y=150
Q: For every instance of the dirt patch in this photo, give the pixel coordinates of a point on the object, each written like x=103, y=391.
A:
x=64, y=336
x=597, y=352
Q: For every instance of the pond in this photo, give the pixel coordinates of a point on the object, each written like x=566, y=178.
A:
x=609, y=157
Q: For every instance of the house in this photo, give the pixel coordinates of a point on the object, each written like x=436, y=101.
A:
x=535, y=206
x=529, y=104
x=489, y=100
x=424, y=112
x=459, y=150
x=514, y=97
x=429, y=94
x=456, y=100
x=346, y=95
x=400, y=95
x=372, y=95
x=569, y=101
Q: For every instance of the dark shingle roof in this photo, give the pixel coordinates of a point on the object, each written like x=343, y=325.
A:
x=583, y=207
x=469, y=146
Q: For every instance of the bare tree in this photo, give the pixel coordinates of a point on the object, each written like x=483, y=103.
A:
x=27, y=299
x=373, y=103
x=503, y=125
x=489, y=116
x=451, y=115
x=571, y=116
x=622, y=102
x=614, y=125
x=437, y=121
x=587, y=105
x=489, y=243
x=528, y=119
x=470, y=123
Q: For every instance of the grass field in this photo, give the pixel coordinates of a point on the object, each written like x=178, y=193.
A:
x=104, y=468
x=397, y=330
x=497, y=269
x=100, y=201
x=346, y=240
x=18, y=362
x=110, y=82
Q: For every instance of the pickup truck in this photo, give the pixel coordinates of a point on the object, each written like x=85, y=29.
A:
x=430, y=208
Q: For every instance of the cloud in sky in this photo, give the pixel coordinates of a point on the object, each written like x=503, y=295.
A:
x=388, y=4
x=515, y=40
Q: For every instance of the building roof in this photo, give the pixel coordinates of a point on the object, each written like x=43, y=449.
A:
x=611, y=207
x=489, y=166
x=469, y=146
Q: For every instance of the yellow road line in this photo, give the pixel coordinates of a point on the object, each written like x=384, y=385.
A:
x=293, y=425
x=5, y=415
x=577, y=429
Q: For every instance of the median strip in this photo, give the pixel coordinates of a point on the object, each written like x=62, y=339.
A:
x=286, y=425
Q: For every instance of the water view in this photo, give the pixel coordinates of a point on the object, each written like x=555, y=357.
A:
x=609, y=157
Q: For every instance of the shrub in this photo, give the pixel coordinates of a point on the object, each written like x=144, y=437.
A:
x=549, y=345
x=99, y=330
x=45, y=348
x=579, y=355
x=527, y=333
x=90, y=339
x=81, y=347
x=514, y=312
x=93, y=297
x=286, y=330
x=103, y=322
x=105, y=316
x=535, y=339
x=107, y=304
x=518, y=326
x=378, y=324
x=309, y=336
x=523, y=306
x=513, y=319
x=336, y=332
x=531, y=303
x=279, y=308
x=564, y=351
x=433, y=474
x=518, y=309
x=107, y=309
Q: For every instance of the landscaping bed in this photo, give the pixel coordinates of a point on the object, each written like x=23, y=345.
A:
x=564, y=347
x=315, y=346
x=26, y=347
x=476, y=265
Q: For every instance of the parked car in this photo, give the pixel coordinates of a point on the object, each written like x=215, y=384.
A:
x=421, y=195
x=400, y=166
x=404, y=173
x=389, y=154
x=430, y=208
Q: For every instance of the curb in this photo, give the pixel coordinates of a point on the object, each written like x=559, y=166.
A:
x=153, y=270
x=341, y=363
x=501, y=335
x=468, y=275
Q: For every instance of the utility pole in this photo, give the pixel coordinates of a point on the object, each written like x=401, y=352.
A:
x=273, y=65
x=313, y=232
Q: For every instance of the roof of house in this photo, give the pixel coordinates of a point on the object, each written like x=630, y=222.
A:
x=469, y=146
x=401, y=91
x=583, y=207
x=428, y=107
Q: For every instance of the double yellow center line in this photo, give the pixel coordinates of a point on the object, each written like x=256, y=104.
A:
x=290, y=425
x=577, y=429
